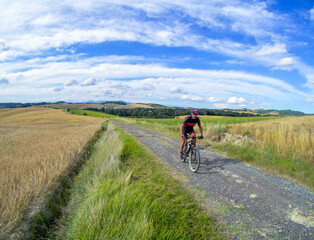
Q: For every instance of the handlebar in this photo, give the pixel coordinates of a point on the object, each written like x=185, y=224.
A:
x=199, y=137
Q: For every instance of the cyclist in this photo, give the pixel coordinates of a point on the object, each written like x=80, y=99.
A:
x=187, y=128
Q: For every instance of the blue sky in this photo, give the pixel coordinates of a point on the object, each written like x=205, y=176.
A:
x=207, y=54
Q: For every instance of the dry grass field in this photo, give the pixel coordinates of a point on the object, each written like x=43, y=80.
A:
x=36, y=145
x=292, y=135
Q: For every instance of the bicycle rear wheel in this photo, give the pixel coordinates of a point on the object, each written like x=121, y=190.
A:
x=194, y=160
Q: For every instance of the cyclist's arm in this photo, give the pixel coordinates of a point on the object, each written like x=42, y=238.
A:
x=181, y=129
x=200, y=127
x=201, y=130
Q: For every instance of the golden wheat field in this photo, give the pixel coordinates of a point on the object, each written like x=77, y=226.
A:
x=286, y=135
x=36, y=145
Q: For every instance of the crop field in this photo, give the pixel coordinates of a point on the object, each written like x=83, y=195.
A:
x=36, y=145
x=289, y=136
x=284, y=146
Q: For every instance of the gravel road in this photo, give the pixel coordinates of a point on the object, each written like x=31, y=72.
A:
x=251, y=203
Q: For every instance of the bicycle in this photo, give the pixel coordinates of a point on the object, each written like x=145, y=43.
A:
x=193, y=151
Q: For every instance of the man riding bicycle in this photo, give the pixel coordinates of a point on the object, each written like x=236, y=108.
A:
x=187, y=128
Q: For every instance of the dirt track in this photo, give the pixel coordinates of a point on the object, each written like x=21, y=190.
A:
x=254, y=205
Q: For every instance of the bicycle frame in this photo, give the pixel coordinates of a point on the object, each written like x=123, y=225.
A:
x=188, y=143
x=194, y=159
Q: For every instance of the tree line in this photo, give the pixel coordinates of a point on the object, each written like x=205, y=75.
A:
x=168, y=112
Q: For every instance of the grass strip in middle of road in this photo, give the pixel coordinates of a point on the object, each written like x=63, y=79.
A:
x=125, y=192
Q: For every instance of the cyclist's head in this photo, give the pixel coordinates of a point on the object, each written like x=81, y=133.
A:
x=194, y=111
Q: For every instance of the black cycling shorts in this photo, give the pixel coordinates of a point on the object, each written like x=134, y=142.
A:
x=186, y=131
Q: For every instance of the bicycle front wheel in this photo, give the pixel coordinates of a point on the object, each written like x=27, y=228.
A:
x=195, y=159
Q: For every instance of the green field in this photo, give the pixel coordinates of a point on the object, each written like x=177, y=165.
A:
x=172, y=126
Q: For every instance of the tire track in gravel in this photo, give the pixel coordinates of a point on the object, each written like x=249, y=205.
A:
x=253, y=204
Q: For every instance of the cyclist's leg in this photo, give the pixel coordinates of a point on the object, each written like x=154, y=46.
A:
x=193, y=136
x=183, y=139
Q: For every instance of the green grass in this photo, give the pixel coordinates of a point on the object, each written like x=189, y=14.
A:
x=172, y=126
x=91, y=113
x=124, y=192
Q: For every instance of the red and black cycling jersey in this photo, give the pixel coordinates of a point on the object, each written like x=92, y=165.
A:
x=189, y=122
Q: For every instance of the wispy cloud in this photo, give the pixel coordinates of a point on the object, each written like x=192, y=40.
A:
x=272, y=49
x=72, y=82
x=41, y=50
x=96, y=76
x=89, y=82
x=58, y=89
x=236, y=100
x=214, y=100
x=312, y=14
x=51, y=26
x=285, y=63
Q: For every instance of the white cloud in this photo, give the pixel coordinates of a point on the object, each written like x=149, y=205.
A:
x=37, y=28
x=236, y=100
x=270, y=50
x=3, y=47
x=310, y=99
x=177, y=90
x=148, y=79
x=286, y=61
x=312, y=14
x=192, y=98
x=89, y=82
x=185, y=98
x=221, y=105
x=72, y=82
x=58, y=89
x=213, y=100
x=55, y=26
x=232, y=102
x=110, y=93
x=197, y=99
x=285, y=64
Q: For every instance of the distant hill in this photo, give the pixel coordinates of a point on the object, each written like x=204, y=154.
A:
x=16, y=105
x=269, y=112
x=279, y=112
x=152, y=110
